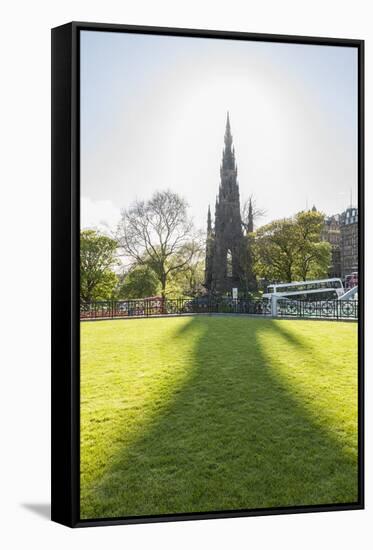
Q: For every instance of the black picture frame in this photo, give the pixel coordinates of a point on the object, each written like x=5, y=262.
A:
x=65, y=272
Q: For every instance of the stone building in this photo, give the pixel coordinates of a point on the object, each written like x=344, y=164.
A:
x=349, y=241
x=331, y=233
x=228, y=258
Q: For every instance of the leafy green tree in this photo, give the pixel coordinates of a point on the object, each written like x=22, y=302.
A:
x=97, y=260
x=274, y=251
x=139, y=282
x=313, y=255
x=291, y=249
x=188, y=282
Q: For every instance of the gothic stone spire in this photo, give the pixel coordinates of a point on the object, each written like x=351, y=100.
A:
x=209, y=251
x=250, y=218
x=209, y=226
x=227, y=258
x=228, y=236
x=228, y=162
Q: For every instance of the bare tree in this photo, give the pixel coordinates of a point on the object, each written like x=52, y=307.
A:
x=158, y=233
x=250, y=213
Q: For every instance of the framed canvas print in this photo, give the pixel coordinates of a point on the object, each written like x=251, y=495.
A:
x=207, y=277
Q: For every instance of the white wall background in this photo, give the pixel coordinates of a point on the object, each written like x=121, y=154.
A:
x=25, y=279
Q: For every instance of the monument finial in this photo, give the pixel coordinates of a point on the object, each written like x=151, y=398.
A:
x=228, y=139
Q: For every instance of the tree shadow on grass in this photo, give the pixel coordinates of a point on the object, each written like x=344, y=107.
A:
x=233, y=437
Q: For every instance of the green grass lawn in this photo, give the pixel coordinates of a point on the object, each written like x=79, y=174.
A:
x=203, y=413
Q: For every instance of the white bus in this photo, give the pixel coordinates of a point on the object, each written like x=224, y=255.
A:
x=322, y=289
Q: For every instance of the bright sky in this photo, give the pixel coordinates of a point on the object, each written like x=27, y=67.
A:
x=153, y=111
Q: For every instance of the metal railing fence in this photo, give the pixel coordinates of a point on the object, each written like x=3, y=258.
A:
x=321, y=309
x=151, y=307
x=332, y=309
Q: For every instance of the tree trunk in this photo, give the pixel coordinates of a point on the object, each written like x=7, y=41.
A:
x=163, y=291
x=163, y=283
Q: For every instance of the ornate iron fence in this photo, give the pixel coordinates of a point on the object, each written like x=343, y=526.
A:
x=322, y=309
x=333, y=309
x=159, y=306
